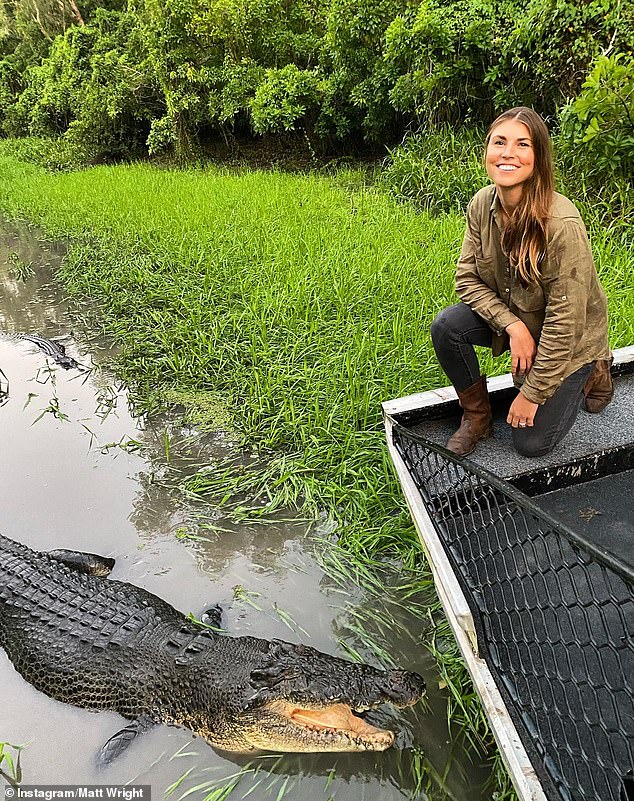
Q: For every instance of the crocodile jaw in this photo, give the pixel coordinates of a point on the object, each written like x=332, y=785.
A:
x=290, y=727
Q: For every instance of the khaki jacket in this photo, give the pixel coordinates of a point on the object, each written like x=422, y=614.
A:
x=566, y=312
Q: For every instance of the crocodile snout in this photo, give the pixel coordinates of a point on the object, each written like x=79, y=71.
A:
x=403, y=688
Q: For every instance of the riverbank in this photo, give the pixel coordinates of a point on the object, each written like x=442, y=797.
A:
x=79, y=471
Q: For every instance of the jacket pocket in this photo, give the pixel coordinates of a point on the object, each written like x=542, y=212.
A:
x=528, y=299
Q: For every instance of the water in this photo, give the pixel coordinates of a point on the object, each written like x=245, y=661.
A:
x=78, y=470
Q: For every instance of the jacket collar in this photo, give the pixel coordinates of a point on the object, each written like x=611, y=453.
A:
x=496, y=209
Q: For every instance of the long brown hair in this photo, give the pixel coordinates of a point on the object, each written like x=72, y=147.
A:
x=526, y=233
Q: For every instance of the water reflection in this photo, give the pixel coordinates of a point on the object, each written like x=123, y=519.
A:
x=37, y=303
x=78, y=470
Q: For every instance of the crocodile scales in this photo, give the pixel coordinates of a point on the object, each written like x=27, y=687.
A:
x=103, y=644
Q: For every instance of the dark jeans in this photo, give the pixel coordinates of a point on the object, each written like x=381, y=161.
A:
x=456, y=330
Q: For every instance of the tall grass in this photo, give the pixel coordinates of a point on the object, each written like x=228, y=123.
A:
x=304, y=305
x=438, y=170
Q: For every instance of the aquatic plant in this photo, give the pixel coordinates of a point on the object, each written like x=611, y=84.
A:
x=20, y=269
x=10, y=767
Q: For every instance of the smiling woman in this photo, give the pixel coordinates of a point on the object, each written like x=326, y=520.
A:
x=527, y=282
x=510, y=160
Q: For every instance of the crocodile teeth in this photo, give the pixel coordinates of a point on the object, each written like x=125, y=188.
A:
x=338, y=717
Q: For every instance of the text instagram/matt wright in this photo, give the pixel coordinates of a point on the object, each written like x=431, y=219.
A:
x=76, y=792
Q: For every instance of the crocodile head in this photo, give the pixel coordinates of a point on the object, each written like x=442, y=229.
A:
x=288, y=697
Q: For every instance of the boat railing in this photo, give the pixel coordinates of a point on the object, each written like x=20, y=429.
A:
x=553, y=618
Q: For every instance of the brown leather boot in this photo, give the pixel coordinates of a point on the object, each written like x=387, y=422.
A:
x=598, y=388
x=476, y=419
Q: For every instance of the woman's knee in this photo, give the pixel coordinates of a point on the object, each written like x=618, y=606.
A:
x=530, y=443
x=443, y=325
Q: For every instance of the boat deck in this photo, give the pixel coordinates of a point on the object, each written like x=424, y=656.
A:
x=598, y=445
x=592, y=434
x=585, y=482
x=601, y=510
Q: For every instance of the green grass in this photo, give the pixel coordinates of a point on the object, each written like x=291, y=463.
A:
x=299, y=303
x=303, y=305
x=10, y=759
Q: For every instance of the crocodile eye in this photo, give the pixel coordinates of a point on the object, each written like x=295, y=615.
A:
x=272, y=676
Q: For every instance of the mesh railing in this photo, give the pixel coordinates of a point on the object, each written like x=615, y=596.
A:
x=554, y=619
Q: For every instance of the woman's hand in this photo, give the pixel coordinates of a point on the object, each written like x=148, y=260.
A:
x=522, y=412
x=523, y=348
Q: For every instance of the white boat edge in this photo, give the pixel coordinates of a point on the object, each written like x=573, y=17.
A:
x=433, y=397
x=522, y=773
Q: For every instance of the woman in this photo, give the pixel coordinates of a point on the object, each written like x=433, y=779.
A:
x=527, y=282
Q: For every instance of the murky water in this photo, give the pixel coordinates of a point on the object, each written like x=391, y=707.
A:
x=78, y=471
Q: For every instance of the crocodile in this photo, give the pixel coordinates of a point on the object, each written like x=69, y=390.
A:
x=92, y=641
x=50, y=347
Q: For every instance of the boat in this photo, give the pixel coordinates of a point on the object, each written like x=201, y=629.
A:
x=533, y=562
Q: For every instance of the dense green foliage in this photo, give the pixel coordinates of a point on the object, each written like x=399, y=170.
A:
x=599, y=124
x=121, y=79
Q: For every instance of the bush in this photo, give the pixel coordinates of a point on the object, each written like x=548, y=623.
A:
x=439, y=169
x=439, y=58
x=358, y=79
x=550, y=46
x=343, y=69
x=10, y=86
x=597, y=129
x=55, y=154
x=93, y=88
x=283, y=98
